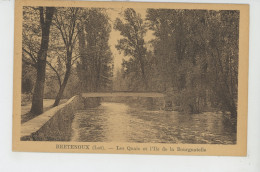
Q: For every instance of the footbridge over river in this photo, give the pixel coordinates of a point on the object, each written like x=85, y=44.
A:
x=167, y=104
x=123, y=94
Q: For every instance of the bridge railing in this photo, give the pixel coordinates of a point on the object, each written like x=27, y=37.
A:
x=123, y=94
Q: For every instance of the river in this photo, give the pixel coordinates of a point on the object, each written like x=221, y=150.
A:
x=119, y=122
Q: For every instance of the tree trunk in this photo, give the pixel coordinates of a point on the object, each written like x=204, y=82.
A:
x=61, y=90
x=37, y=100
x=63, y=85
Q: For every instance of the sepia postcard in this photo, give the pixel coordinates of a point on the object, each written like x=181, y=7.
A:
x=130, y=77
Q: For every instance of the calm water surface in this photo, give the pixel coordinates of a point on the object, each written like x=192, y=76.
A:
x=118, y=122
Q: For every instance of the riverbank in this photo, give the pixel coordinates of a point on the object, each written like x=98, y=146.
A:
x=52, y=125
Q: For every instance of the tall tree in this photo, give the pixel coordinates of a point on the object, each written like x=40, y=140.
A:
x=39, y=60
x=95, y=68
x=222, y=48
x=65, y=20
x=133, y=30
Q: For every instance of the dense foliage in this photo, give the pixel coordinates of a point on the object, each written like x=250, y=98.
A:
x=194, y=56
x=95, y=67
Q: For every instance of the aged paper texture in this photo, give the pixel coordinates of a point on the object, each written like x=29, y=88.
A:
x=130, y=78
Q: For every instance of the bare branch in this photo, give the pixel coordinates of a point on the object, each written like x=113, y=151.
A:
x=58, y=25
x=31, y=55
x=75, y=59
x=29, y=63
x=56, y=72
